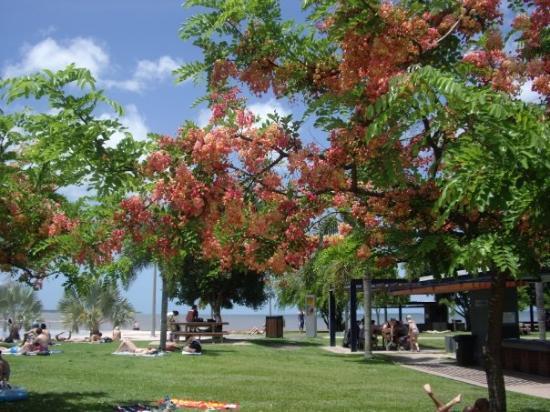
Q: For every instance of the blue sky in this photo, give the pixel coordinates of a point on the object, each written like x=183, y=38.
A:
x=131, y=47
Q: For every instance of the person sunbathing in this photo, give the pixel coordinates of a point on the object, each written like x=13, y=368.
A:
x=480, y=405
x=128, y=346
x=194, y=346
x=255, y=331
x=440, y=407
x=60, y=338
x=117, y=334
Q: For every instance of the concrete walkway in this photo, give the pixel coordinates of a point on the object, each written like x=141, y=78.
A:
x=443, y=364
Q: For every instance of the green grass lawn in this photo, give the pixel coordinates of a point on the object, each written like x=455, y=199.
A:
x=264, y=375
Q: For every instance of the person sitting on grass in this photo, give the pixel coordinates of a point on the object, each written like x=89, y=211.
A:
x=38, y=343
x=32, y=332
x=46, y=332
x=4, y=373
x=128, y=346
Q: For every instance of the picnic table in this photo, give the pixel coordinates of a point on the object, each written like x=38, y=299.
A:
x=189, y=329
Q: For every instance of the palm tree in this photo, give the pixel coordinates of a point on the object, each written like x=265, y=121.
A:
x=20, y=303
x=93, y=305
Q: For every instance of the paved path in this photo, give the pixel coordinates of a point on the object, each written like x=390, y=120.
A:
x=441, y=364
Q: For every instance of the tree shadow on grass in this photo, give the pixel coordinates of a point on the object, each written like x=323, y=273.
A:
x=285, y=344
x=60, y=401
x=373, y=361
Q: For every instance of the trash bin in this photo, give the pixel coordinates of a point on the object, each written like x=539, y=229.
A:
x=465, y=349
x=273, y=326
x=450, y=344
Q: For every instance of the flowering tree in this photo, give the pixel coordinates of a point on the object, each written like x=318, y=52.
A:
x=428, y=150
x=43, y=153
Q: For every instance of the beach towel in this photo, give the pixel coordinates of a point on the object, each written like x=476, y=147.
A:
x=209, y=405
x=13, y=351
x=145, y=355
x=13, y=394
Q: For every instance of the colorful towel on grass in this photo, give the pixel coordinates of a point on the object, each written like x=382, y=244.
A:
x=42, y=353
x=209, y=405
x=145, y=355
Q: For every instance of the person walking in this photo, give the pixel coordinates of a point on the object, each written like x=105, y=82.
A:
x=413, y=334
x=301, y=320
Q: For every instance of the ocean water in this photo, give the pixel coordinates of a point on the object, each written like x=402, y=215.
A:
x=238, y=322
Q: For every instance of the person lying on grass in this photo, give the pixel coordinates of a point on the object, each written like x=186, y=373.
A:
x=60, y=338
x=128, y=346
x=480, y=405
x=194, y=346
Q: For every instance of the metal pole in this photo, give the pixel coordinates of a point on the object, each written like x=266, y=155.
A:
x=163, y=312
x=541, y=313
x=154, y=311
x=531, y=311
x=367, y=326
x=332, y=317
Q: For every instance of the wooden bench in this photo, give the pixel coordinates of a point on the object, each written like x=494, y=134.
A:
x=200, y=329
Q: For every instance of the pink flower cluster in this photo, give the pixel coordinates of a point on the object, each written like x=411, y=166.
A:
x=61, y=223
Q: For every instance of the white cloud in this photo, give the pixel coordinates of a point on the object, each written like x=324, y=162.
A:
x=528, y=95
x=146, y=72
x=49, y=54
x=85, y=52
x=261, y=109
x=134, y=123
x=204, y=117
x=47, y=31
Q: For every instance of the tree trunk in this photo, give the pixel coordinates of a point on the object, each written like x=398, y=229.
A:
x=541, y=312
x=367, y=304
x=493, y=356
x=217, y=310
x=163, y=313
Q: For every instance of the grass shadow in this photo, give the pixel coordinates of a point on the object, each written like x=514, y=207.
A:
x=282, y=343
x=60, y=401
x=373, y=361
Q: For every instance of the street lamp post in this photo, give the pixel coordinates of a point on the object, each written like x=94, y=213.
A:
x=154, y=311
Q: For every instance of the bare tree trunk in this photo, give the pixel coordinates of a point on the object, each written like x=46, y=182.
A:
x=541, y=312
x=493, y=356
x=163, y=313
x=367, y=304
x=216, y=310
